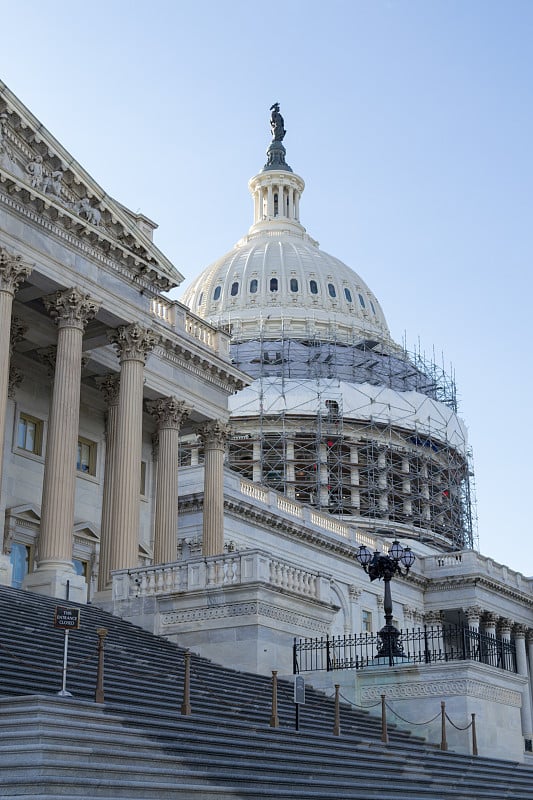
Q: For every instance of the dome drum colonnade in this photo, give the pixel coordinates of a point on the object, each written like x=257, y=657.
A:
x=303, y=324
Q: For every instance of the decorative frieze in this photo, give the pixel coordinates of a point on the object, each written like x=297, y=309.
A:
x=442, y=688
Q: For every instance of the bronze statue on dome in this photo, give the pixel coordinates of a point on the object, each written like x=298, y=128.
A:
x=277, y=125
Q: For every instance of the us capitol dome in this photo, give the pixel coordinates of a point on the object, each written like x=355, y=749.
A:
x=338, y=415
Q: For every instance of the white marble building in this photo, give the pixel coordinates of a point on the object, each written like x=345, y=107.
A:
x=113, y=399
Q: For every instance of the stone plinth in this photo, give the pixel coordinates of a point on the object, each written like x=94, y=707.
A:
x=415, y=692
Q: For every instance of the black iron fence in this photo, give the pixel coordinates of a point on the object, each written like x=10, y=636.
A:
x=427, y=645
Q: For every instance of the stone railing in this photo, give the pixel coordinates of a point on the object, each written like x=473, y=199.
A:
x=181, y=319
x=469, y=562
x=227, y=570
x=272, y=499
x=163, y=309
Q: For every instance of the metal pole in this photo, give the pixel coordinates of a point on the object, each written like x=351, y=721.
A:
x=337, y=725
x=186, y=705
x=384, y=732
x=474, y=736
x=443, y=742
x=63, y=692
x=99, y=693
x=274, y=719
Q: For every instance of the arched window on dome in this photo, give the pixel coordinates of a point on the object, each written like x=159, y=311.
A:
x=276, y=205
x=372, y=307
x=200, y=299
x=331, y=290
x=348, y=294
x=313, y=287
x=294, y=285
x=253, y=286
x=216, y=293
x=234, y=289
x=273, y=284
x=362, y=301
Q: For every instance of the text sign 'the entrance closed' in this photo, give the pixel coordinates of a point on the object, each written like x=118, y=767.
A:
x=67, y=618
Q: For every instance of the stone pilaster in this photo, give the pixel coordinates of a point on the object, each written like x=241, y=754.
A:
x=522, y=669
x=169, y=413
x=71, y=309
x=109, y=385
x=133, y=343
x=214, y=435
x=12, y=272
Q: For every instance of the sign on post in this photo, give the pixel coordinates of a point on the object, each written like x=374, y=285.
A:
x=67, y=619
x=299, y=698
x=299, y=690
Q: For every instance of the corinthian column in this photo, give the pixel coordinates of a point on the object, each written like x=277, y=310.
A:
x=522, y=669
x=133, y=343
x=71, y=309
x=109, y=386
x=169, y=413
x=213, y=435
x=12, y=272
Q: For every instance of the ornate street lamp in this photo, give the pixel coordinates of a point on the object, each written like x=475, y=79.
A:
x=377, y=566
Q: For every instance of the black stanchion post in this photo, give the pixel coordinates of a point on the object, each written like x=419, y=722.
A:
x=443, y=742
x=474, y=736
x=384, y=731
x=337, y=725
x=99, y=692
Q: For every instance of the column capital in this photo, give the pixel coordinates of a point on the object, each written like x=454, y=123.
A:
x=168, y=411
x=504, y=626
x=520, y=630
x=473, y=614
x=13, y=271
x=433, y=618
x=109, y=385
x=133, y=342
x=214, y=434
x=490, y=618
x=354, y=591
x=71, y=307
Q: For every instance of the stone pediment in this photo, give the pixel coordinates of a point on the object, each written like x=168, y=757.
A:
x=86, y=531
x=38, y=170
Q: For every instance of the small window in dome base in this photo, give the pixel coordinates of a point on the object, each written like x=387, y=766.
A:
x=200, y=298
x=348, y=294
x=294, y=285
x=331, y=290
x=273, y=284
x=362, y=301
x=253, y=286
x=234, y=289
x=372, y=307
x=216, y=293
x=313, y=287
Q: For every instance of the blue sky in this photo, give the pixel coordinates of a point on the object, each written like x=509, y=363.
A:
x=411, y=123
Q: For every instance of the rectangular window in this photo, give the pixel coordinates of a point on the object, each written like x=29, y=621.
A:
x=21, y=563
x=86, y=457
x=30, y=434
x=366, y=621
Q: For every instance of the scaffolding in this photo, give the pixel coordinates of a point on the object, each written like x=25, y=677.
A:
x=319, y=426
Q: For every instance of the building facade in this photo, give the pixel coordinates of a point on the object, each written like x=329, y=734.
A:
x=211, y=468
